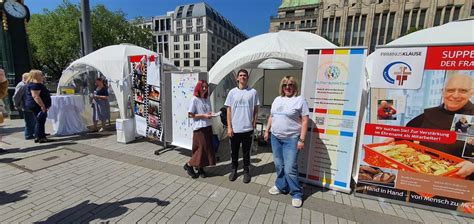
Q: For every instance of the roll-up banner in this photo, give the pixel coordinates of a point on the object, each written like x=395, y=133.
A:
x=332, y=85
x=146, y=79
x=418, y=142
x=182, y=88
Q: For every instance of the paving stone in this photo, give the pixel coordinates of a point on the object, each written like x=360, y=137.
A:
x=226, y=216
x=278, y=219
x=213, y=218
x=329, y=219
x=281, y=208
x=269, y=216
x=236, y=201
x=372, y=205
x=207, y=209
x=317, y=217
x=250, y=201
x=292, y=215
x=195, y=219
x=259, y=213
x=242, y=215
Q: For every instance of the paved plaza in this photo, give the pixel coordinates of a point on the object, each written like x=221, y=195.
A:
x=103, y=181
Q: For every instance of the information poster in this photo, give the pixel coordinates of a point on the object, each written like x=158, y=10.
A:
x=146, y=71
x=182, y=88
x=332, y=86
x=418, y=142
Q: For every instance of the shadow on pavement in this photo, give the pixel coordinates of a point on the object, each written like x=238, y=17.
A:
x=8, y=160
x=39, y=147
x=86, y=211
x=6, y=198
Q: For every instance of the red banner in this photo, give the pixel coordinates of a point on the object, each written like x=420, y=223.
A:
x=415, y=134
x=450, y=58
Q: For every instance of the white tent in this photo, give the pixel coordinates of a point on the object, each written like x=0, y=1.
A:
x=112, y=62
x=286, y=46
x=457, y=32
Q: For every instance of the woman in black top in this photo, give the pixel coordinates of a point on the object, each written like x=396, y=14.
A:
x=38, y=100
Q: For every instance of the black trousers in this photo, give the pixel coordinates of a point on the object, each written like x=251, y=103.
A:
x=246, y=139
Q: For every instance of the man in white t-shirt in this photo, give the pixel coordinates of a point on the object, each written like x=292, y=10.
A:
x=242, y=107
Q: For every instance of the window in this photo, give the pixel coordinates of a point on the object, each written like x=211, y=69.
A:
x=186, y=47
x=186, y=37
x=213, y=39
x=197, y=63
x=186, y=63
x=197, y=55
x=165, y=38
x=176, y=47
x=186, y=54
x=179, y=30
x=189, y=22
x=179, y=23
x=197, y=36
x=176, y=55
x=176, y=63
x=199, y=29
x=197, y=46
x=176, y=38
x=159, y=38
x=199, y=21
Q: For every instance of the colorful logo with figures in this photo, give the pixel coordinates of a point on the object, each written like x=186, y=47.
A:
x=332, y=72
x=400, y=70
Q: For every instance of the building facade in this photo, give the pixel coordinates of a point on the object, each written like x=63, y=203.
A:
x=194, y=36
x=366, y=22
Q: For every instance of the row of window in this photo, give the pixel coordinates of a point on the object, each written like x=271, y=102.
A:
x=189, y=22
x=186, y=63
x=186, y=55
x=197, y=46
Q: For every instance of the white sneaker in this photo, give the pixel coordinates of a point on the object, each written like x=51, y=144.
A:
x=101, y=130
x=296, y=202
x=274, y=191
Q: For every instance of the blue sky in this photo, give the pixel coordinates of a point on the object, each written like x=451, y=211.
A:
x=250, y=16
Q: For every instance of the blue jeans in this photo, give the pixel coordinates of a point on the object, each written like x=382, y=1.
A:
x=285, y=157
x=30, y=123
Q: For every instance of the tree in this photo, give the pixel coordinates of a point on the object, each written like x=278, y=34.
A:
x=54, y=35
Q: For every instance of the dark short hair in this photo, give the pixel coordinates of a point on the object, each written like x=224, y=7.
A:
x=244, y=71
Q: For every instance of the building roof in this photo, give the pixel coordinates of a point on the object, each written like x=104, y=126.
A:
x=203, y=9
x=297, y=3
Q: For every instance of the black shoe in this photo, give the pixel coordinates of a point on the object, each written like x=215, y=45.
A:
x=36, y=140
x=2, y=151
x=233, y=175
x=44, y=140
x=190, y=171
x=201, y=173
x=246, y=176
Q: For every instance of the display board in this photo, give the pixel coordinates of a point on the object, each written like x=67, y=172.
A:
x=332, y=86
x=182, y=88
x=419, y=136
x=146, y=76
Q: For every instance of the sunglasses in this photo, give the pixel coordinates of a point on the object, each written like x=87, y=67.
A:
x=287, y=85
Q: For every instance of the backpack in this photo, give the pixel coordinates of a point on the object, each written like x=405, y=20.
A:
x=19, y=96
x=223, y=116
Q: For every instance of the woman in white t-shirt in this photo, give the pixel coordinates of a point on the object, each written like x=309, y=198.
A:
x=288, y=124
x=200, y=111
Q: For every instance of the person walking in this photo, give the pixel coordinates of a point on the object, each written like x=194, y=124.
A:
x=288, y=124
x=242, y=104
x=200, y=111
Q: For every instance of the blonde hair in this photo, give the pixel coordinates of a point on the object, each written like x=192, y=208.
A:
x=287, y=79
x=33, y=76
x=25, y=77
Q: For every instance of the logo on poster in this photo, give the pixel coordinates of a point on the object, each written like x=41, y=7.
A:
x=332, y=72
x=401, y=72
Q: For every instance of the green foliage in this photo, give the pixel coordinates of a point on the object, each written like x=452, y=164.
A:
x=54, y=35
